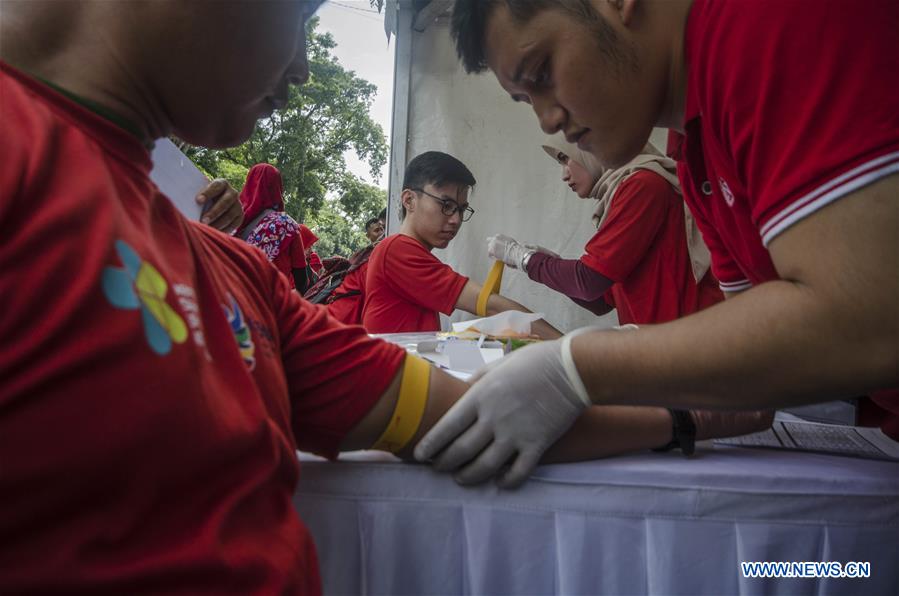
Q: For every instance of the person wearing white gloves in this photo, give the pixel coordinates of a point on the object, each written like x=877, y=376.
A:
x=647, y=257
x=791, y=171
x=538, y=395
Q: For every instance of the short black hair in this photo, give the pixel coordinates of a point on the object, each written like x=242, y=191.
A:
x=371, y=222
x=470, y=17
x=435, y=168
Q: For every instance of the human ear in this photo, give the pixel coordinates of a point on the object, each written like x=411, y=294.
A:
x=406, y=200
x=626, y=10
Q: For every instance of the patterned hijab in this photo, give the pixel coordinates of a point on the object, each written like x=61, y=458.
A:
x=274, y=232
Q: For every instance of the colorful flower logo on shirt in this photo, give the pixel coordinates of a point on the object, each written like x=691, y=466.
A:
x=139, y=285
x=241, y=333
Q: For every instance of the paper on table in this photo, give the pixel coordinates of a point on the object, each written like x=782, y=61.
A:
x=837, y=439
x=511, y=322
x=177, y=177
x=464, y=356
x=444, y=359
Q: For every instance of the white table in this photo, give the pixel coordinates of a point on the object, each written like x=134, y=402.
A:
x=644, y=523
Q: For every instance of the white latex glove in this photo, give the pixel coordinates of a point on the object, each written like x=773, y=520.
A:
x=543, y=249
x=508, y=250
x=516, y=409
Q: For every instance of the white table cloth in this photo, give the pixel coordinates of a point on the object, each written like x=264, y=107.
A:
x=640, y=524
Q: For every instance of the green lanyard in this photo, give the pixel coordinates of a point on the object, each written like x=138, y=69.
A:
x=104, y=112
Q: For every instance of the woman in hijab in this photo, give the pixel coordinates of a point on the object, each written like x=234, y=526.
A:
x=266, y=226
x=315, y=263
x=647, y=258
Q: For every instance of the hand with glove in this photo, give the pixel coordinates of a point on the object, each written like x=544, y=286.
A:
x=515, y=410
x=543, y=249
x=509, y=251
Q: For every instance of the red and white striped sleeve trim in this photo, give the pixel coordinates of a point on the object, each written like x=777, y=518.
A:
x=828, y=193
x=735, y=286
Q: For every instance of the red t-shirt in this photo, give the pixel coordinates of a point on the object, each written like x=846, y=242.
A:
x=157, y=377
x=347, y=307
x=642, y=247
x=407, y=287
x=807, y=117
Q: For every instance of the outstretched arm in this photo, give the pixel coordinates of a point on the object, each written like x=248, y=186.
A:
x=468, y=300
x=572, y=278
x=829, y=328
x=598, y=432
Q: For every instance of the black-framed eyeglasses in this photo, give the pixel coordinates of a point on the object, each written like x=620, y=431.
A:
x=448, y=206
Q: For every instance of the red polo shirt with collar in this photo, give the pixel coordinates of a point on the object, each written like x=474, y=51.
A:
x=790, y=107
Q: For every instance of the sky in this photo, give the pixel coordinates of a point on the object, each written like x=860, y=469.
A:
x=362, y=47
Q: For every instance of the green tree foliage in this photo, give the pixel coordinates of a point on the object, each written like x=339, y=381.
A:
x=340, y=223
x=306, y=141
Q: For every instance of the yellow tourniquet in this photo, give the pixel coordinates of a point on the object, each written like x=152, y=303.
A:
x=410, y=406
x=491, y=286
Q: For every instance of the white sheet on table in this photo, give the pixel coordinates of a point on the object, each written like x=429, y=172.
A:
x=644, y=523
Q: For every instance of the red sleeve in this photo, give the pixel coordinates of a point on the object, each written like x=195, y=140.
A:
x=810, y=130
x=335, y=373
x=420, y=278
x=637, y=212
x=297, y=253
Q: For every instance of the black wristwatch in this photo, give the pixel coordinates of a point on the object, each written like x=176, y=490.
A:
x=683, y=433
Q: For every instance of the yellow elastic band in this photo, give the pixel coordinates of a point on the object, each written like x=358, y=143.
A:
x=410, y=406
x=491, y=286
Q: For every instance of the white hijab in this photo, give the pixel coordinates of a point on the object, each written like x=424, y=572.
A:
x=607, y=181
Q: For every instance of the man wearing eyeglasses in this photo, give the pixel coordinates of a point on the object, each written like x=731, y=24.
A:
x=407, y=286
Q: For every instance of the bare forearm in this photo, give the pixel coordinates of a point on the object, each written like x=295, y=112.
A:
x=610, y=430
x=778, y=344
x=497, y=304
x=603, y=431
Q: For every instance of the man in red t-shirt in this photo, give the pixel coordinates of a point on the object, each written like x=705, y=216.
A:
x=349, y=297
x=790, y=164
x=640, y=260
x=374, y=229
x=407, y=287
x=158, y=376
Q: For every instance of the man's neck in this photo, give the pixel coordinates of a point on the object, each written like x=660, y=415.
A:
x=42, y=39
x=407, y=229
x=672, y=114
